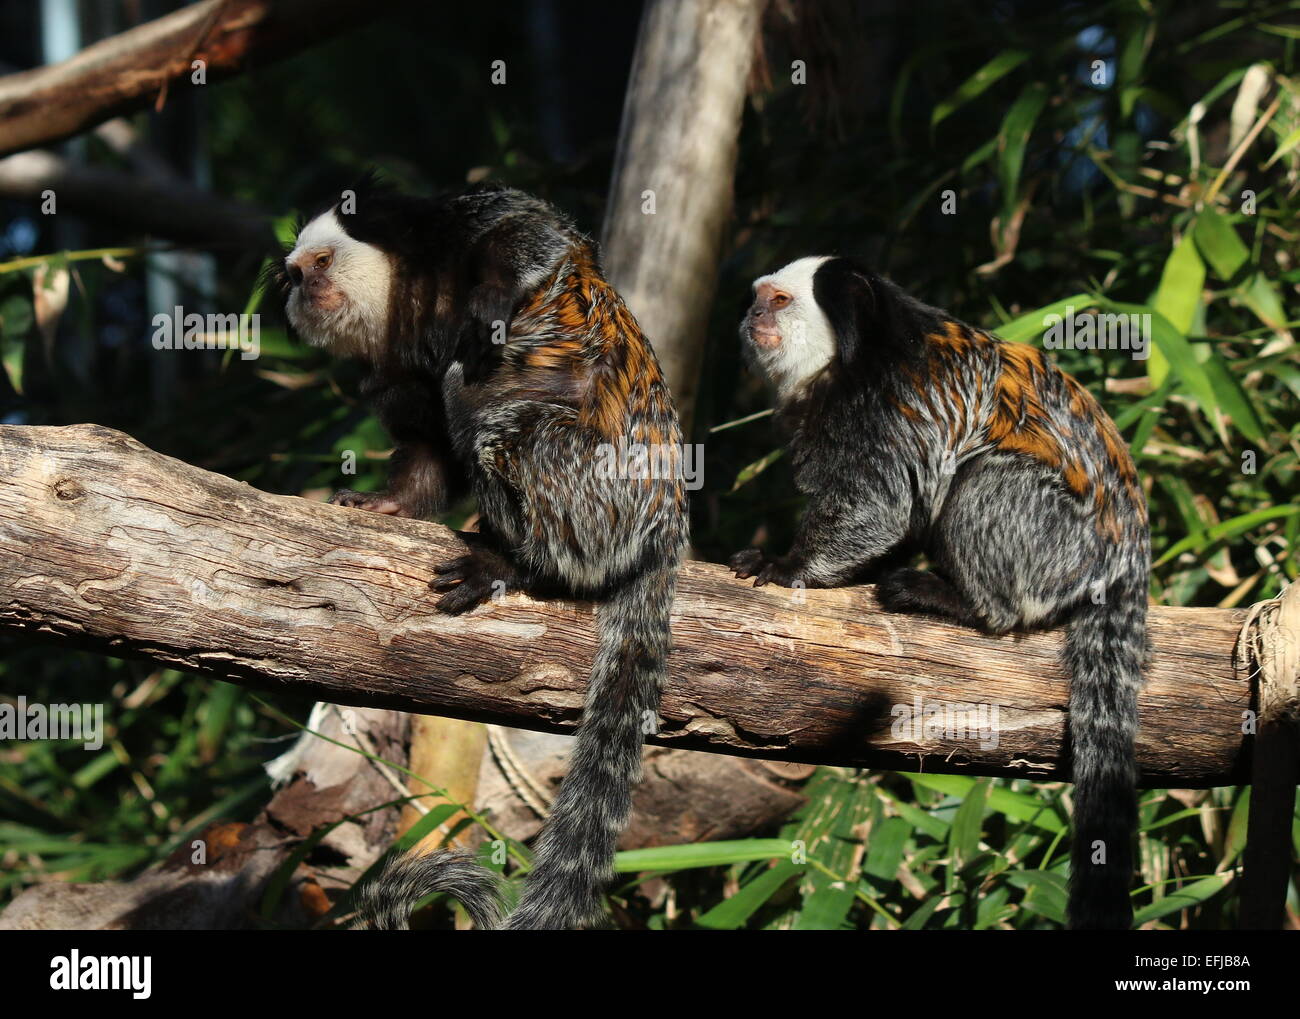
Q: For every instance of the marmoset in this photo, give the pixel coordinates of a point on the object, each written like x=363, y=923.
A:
x=914, y=432
x=502, y=362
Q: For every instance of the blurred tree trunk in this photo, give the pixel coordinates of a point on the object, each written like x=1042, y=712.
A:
x=671, y=192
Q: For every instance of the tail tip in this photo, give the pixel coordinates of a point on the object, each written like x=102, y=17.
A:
x=385, y=902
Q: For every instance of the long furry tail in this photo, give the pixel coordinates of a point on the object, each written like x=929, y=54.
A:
x=1105, y=652
x=385, y=903
x=574, y=855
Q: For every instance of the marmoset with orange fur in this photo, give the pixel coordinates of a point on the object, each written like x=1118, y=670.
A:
x=913, y=432
x=501, y=361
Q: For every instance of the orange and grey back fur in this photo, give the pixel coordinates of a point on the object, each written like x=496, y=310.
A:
x=502, y=362
x=913, y=432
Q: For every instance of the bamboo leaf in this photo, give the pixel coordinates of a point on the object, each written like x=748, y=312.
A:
x=1219, y=243
x=1261, y=297
x=1176, y=298
x=1017, y=806
x=700, y=854
x=1027, y=327
x=1000, y=66
x=1013, y=139
x=1190, y=895
x=748, y=474
x=1177, y=354
x=1045, y=892
x=967, y=825
x=1233, y=401
x=1233, y=528
x=1286, y=145
x=732, y=912
x=885, y=848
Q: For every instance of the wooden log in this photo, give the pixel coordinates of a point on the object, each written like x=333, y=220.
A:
x=111, y=546
x=131, y=70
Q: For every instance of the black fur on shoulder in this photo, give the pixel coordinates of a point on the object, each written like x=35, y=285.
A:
x=878, y=327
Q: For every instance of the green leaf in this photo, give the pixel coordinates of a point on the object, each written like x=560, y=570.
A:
x=998, y=67
x=919, y=58
x=1176, y=353
x=748, y=474
x=885, y=848
x=921, y=820
x=1014, y=137
x=968, y=824
x=1045, y=892
x=1261, y=297
x=980, y=155
x=1233, y=401
x=700, y=854
x=732, y=912
x=16, y=316
x=1177, y=298
x=1017, y=806
x=1285, y=31
x=276, y=343
x=1136, y=29
x=921, y=917
x=430, y=822
x=1183, y=898
x=1285, y=146
x=285, y=230
x=1184, y=500
x=1134, y=411
x=828, y=825
x=100, y=765
x=1232, y=528
x=216, y=717
x=1219, y=243
x=1030, y=325
x=1237, y=828
x=279, y=880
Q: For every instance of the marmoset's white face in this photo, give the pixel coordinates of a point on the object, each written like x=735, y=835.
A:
x=339, y=289
x=788, y=333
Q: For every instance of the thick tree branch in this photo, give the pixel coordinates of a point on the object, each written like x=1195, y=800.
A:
x=129, y=71
x=109, y=545
x=176, y=210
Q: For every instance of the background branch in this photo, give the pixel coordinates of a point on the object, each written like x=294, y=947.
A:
x=174, y=209
x=128, y=71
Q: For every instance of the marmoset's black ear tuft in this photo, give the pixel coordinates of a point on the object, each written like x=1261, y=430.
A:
x=370, y=184
x=877, y=326
x=845, y=291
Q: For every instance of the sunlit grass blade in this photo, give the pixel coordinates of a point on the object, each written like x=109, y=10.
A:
x=732, y=912
x=1194, y=894
x=693, y=855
